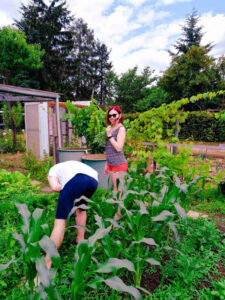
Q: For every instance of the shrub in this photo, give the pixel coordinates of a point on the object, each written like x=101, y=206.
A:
x=37, y=168
x=6, y=142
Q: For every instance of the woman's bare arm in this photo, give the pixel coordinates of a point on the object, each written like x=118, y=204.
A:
x=54, y=183
x=118, y=145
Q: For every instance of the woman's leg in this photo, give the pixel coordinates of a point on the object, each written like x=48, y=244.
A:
x=114, y=176
x=57, y=236
x=81, y=217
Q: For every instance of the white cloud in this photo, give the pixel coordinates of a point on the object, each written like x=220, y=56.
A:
x=169, y=2
x=117, y=22
x=5, y=20
x=214, y=32
x=113, y=26
x=149, y=15
x=149, y=48
x=135, y=3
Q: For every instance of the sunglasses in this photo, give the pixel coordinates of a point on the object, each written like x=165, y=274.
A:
x=112, y=115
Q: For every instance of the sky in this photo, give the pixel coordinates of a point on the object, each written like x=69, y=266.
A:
x=139, y=32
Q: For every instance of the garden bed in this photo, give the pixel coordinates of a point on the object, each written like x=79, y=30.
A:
x=189, y=269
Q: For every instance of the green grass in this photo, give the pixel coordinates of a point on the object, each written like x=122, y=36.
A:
x=210, y=201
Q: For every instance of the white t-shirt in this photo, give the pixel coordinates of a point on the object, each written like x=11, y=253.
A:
x=67, y=170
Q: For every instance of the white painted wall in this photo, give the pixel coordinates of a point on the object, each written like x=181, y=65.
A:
x=36, y=126
x=43, y=129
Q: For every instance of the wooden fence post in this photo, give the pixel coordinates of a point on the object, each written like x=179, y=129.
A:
x=174, y=149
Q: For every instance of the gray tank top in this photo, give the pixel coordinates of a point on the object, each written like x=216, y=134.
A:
x=113, y=157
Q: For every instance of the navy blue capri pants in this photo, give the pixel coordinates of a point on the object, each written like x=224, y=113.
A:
x=79, y=185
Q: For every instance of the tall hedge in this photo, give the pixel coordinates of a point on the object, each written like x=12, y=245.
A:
x=203, y=126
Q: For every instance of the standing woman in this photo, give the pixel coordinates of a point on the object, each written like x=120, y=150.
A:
x=116, y=134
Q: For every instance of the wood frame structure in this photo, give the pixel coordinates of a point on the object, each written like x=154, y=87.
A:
x=10, y=93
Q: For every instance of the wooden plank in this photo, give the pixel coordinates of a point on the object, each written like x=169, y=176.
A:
x=23, y=98
x=25, y=91
x=207, y=147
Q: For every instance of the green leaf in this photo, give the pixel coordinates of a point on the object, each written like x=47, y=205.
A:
x=148, y=241
x=24, y=212
x=35, y=233
x=20, y=239
x=153, y=262
x=49, y=247
x=115, y=264
x=99, y=234
x=114, y=223
x=5, y=266
x=45, y=274
x=162, y=216
x=173, y=228
x=180, y=211
x=117, y=284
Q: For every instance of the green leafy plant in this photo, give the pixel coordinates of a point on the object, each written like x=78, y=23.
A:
x=6, y=142
x=149, y=126
x=219, y=289
x=32, y=239
x=37, y=168
x=88, y=122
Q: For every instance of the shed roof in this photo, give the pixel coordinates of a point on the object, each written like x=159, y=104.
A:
x=25, y=91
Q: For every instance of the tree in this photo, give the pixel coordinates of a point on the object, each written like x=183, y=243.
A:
x=49, y=26
x=190, y=74
x=15, y=56
x=103, y=69
x=192, y=36
x=84, y=57
x=130, y=87
x=155, y=97
x=90, y=64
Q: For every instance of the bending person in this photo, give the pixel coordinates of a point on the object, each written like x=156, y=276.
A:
x=72, y=179
x=116, y=135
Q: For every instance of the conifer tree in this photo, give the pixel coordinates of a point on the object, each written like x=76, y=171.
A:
x=192, y=36
x=48, y=25
x=90, y=63
x=103, y=69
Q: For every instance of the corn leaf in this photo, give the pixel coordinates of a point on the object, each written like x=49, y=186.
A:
x=99, y=234
x=117, y=284
x=148, y=241
x=153, y=262
x=180, y=211
x=5, y=266
x=49, y=247
x=24, y=212
x=115, y=264
x=20, y=239
x=162, y=216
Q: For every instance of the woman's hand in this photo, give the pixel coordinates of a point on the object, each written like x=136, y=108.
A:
x=108, y=131
x=106, y=170
x=119, y=142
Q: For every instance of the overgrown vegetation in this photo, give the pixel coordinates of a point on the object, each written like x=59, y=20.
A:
x=153, y=242
x=6, y=142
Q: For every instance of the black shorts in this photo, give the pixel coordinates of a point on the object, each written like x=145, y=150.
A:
x=79, y=185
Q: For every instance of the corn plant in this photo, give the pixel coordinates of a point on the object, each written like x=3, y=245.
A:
x=82, y=272
x=33, y=240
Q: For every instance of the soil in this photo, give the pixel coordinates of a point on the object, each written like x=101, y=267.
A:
x=152, y=281
x=220, y=222
x=94, y=156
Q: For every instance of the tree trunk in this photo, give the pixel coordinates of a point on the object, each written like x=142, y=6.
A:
x=12, y=121
x=13, y=126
